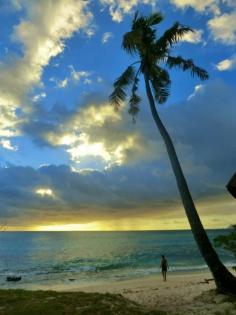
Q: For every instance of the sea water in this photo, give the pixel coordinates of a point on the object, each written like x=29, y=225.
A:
x=85, y=257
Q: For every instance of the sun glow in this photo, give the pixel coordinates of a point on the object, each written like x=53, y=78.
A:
x=92, y=226
x=120, y=225
x=85, y=148
x=44, y=192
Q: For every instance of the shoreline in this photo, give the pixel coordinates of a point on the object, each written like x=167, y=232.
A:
x=74, y=284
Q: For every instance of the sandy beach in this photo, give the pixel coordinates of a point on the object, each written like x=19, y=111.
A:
x=183, y=293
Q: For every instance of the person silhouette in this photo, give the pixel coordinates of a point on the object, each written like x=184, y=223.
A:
x=164, y=267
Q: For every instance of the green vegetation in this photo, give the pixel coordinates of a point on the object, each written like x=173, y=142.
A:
x=154, y=57
x=228, y=242
x=21, y=302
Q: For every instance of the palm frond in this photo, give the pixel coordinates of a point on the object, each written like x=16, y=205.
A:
x=130, y=41
x=154, y=19
x=172, y=36
x=141, y=32
x=134, y=102
x=135, y=99
x=139, y=21
x=160, y=81
x=135, y=18
x=187, y=64
x=119, y=94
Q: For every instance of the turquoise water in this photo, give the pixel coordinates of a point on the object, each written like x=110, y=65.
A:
x=43, y=257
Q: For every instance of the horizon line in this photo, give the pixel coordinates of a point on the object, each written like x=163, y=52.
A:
x=167, y=230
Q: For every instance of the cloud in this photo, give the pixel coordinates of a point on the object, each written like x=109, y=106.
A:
x=223, y=28
x=77, y=76
x=193, y=37
x=118, y=9
x=39, y=97
x=6, y=144
x=201, y=125
x=57, y=195
x=63, y=83
x=198, y=5
x=99, y=79
x=74, y=76
x=87, y=81
x=44, y=192
x=17, y=4
x=198, y=88
x=94, y=132
x=41, y=34
x=75, y=193
x=97, y=137
x=222, y=25
x=133, y=177
x=227, y=64
x=106, y=37
x=142, y=188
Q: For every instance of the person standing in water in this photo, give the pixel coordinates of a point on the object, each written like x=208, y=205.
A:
x=164, y=267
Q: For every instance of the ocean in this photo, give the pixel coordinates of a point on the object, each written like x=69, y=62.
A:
x=44, y=258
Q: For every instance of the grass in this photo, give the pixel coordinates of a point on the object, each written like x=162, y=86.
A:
x=21, y=302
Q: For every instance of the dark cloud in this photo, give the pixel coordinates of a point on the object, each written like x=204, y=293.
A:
x=203, y=129
x=42, y=120
x=86, y=195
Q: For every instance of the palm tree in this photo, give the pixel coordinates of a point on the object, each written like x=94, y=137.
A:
x=154, y=58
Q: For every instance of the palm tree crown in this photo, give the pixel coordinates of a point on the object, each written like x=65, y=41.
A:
x=154, y=57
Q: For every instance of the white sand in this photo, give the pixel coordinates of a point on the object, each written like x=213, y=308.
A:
x=183, y=293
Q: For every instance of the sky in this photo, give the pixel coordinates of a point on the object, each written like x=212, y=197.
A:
x=68, y=161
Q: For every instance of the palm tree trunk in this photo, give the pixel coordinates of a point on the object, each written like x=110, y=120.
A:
x=224, y=280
